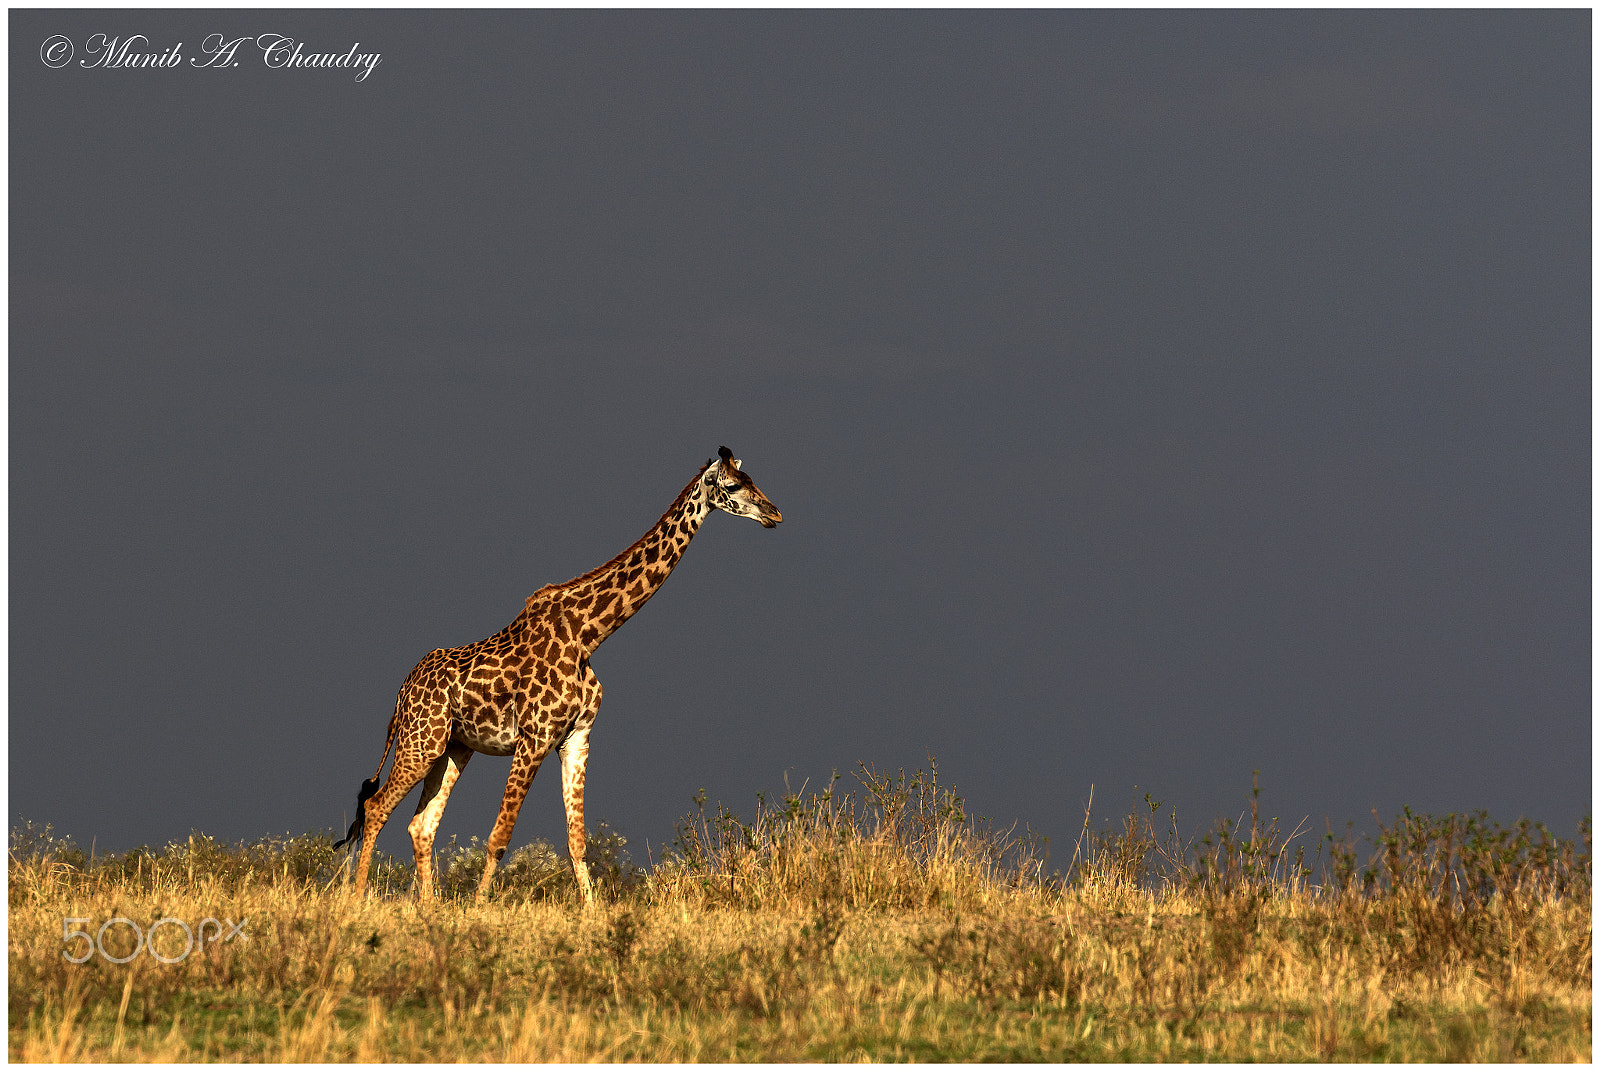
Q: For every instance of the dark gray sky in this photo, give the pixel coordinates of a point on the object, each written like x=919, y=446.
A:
x=1150, y=398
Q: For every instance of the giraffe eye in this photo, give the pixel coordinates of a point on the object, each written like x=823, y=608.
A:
x=730, y=487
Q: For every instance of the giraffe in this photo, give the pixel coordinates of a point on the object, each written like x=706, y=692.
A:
x=528, y=690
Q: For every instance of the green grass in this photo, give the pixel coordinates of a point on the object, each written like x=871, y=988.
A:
x=880, y=924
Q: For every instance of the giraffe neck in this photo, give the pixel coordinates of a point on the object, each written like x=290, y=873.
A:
x=599, y=601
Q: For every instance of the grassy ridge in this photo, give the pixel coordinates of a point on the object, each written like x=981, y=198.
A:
x=882, y=923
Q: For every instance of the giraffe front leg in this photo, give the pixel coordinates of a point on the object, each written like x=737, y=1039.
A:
x=524, y=765
x=574, y=765
x=430, y=809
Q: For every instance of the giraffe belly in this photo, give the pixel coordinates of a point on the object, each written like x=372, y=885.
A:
x=498, y=738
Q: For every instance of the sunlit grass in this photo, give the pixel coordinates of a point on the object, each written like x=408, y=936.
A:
x=881, y=924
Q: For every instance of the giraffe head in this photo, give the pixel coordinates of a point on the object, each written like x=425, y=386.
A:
x=729, y=489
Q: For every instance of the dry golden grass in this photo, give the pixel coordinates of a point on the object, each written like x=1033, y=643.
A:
x=833, y=929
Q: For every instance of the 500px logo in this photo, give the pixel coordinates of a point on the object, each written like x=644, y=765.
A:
x=147, y=939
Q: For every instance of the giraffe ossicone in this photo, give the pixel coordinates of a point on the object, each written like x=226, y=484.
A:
x=528, y=690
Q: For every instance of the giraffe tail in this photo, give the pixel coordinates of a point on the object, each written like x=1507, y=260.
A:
x=369, y=788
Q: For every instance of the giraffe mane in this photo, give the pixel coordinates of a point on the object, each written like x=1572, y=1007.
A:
x=626, y=551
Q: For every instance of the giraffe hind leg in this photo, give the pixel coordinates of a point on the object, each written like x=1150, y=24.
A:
x=436, y=788
x=419, y=733
x=403, y=777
